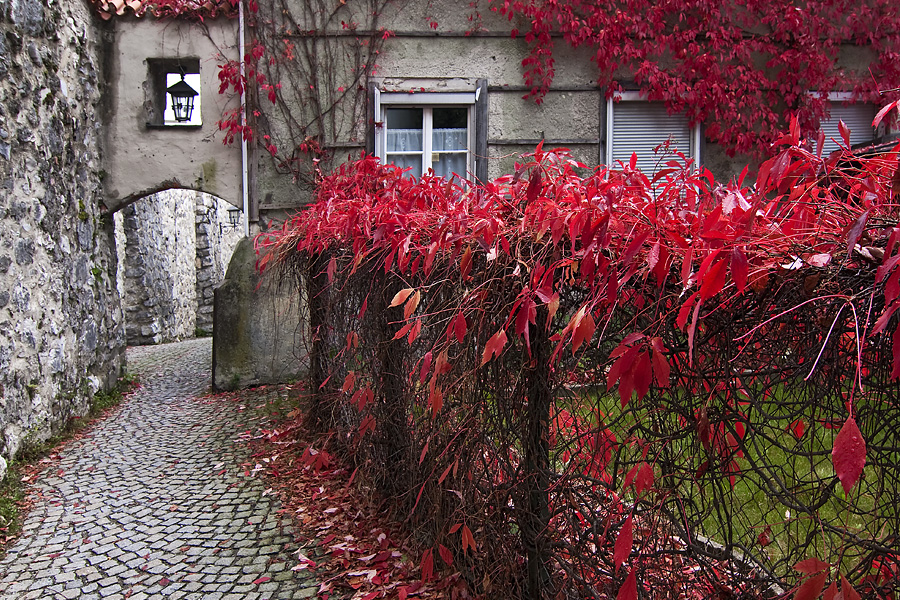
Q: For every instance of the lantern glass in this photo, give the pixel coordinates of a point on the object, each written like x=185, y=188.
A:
x=234, y=217
x=184, y=105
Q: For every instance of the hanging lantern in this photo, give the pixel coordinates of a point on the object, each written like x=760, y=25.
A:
x=182, y=100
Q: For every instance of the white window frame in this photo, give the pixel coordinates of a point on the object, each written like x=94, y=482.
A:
x=426, y=101
x=634, y=96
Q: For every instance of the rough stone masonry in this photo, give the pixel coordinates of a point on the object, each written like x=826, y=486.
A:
x=61, y=333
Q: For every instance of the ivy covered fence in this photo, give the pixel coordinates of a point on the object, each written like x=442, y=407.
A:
x=581, y=383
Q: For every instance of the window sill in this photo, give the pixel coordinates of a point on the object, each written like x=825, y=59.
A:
x=164, y=126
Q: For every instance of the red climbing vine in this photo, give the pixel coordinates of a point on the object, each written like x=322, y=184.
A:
x=595, y=385
x=741, y=68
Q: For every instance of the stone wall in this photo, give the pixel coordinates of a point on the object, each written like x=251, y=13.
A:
x=216, y=239
x=173, y=248
x=259, y=326
x=61, y=332
x=159, y=296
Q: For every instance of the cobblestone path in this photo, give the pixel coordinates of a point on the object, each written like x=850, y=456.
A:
x=153, y=503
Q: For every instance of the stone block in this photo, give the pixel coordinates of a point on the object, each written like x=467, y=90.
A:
x=255, y=321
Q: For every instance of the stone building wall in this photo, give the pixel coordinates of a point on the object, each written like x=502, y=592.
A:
x=173, y=248
x=61, y=328
x=159, y=293
x=216, y=240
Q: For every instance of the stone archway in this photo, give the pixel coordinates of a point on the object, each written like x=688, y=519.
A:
x=173, y=248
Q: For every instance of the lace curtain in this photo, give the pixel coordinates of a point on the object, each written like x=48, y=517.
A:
x=410, y=140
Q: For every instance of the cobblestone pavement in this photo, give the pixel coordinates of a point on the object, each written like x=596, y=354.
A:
x=153, y=503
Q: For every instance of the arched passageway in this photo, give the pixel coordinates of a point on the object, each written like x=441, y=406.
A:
x=173, y=249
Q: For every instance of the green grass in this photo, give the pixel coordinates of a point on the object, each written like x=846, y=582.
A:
x=804, y=466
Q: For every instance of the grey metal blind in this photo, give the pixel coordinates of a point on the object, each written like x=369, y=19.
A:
x=857, y=118
x=639, y=127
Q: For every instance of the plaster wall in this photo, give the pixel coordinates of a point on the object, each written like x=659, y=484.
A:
x=142, y=160
x=61, y=333
x=467, y=46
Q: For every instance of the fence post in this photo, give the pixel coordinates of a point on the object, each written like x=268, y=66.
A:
x=392, y=436
x=536, y=466
x=316, y=276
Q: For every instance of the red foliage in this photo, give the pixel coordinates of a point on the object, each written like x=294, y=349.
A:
x=610, y=253
x=741, y=68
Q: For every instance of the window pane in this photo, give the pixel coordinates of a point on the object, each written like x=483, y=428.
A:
x=450, y=134
x=404, y=140
x=449, y=139
x=404, y=118
x=407, y=160
x=405, y=134
x=639, y=127
x=448, y=164
x=451, y=117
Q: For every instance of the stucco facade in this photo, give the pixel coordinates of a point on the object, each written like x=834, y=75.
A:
x=144, y=157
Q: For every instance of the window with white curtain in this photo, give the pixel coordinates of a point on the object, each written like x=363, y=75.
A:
x=634, y=125
x=426, y=131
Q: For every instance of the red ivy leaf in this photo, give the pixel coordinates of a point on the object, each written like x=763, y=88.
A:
x=812, y=587
x=811, y=565
x=713, y=280
x=765, y=538
x=583, y=332
x=362, y=309
x=847, y=590
x=348, y=382
x=661, y=367
x=427, y=565
x=845, y=132
x=414, y=332
x=621, y=366
x=262, y=579
x=628, y=591
x=459, y=327
x=624, y=543
x=849, y=454
x=642, y=374
x=467, y=540
x=436, y=401
x=534, y=186
x=685, y=311
x=400, y=297
x=494, y=346
x=411, y=305
x=426, y=367
x=644, y=478
x=739, y=269
x=856, y=231
x=465, y=264
x=832, y=590
x=446, y=555
x=884, y=111
x=403, y=331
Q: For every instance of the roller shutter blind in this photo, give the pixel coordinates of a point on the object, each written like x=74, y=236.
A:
x=857, y=118
x=641, y=126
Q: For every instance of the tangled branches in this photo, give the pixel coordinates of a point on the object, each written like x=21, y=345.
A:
x=582, y=386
